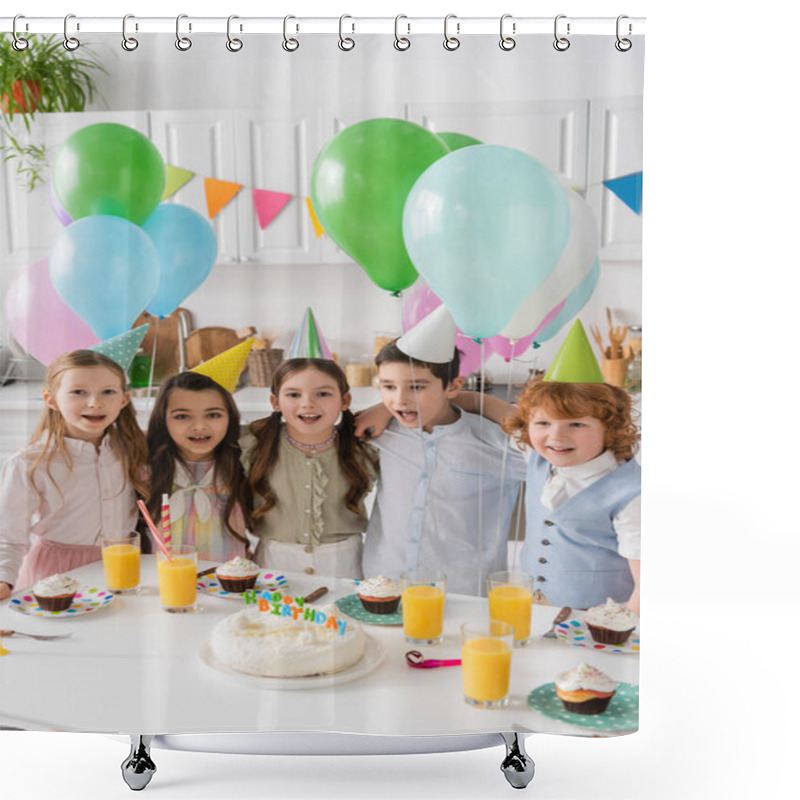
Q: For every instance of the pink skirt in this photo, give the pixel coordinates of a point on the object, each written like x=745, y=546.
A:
x=47, y=557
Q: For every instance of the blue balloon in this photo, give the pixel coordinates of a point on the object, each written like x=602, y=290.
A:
x=187, y=249
x=575, y=302
x=485, y=225
x=106, y=270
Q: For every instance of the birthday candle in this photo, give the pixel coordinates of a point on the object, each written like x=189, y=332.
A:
x=165, y=527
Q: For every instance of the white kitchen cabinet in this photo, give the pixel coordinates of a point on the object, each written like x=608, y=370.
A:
x=615, y=149
x=552, y=131
x=28, y=225
x=203, y=142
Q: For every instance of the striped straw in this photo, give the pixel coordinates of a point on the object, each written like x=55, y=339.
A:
x=165, y=522
x=150, y=524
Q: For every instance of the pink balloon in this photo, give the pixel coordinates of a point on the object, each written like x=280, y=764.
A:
x=508, y=349
x=43, y=324
x=419, y=304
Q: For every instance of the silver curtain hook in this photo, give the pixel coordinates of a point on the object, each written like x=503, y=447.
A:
x=507, y=42
x=561, y=43
x=623, y=45
x=70, y=42
x=183, y=43
x=234, y=45
x=401, y=42
x=20, y=42
x=128, y=42
x=290, y=44
x=346, y=42
x=451, y=42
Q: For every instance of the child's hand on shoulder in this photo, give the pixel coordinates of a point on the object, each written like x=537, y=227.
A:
x=372, y=421
x=5, y=591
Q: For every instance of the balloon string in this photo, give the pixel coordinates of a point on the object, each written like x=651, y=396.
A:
x=150, y=393
x=480, y=587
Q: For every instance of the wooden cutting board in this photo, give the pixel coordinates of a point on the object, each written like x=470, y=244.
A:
x=205, y=343
x=163, y=333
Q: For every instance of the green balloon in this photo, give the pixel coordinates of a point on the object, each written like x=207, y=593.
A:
x=359, y=186
x=455, y=141
x=109, y=169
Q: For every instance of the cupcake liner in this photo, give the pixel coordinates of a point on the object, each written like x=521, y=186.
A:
x=607, y=636
x=237, y=584
x=596, y=705
x=382, y=606
x=60, y=602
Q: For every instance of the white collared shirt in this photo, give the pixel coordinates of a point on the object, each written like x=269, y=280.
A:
x=566, y=482
x=74, y=505
x=444, y=501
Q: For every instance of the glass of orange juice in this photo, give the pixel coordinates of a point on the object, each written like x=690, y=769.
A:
x=422, y=599
x=121, y=554
x=177, y=579
x=510, y=600
x=486, y=647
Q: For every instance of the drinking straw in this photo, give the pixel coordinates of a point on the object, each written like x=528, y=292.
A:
x=150, y=524
x=165, y=526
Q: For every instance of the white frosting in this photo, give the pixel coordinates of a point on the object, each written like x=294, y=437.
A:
x=238, y=568
x=585, y=676
x=611, y=615
x=381, y=586
x=261, y=643
x=55, y=585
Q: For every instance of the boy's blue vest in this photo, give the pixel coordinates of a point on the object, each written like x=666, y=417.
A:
x=572, y=550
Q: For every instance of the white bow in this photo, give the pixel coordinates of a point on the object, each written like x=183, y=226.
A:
x=187, y=486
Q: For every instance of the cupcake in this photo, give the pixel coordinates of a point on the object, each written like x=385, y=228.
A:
x=585, y=689
x=237, y=575
x=55, y=592
x=610, y=623
x=379, y=595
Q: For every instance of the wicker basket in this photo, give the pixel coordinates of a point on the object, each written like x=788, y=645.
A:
x=261, y=364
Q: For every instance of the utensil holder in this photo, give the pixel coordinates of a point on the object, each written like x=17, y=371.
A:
x=615, y=370
x=261, y=364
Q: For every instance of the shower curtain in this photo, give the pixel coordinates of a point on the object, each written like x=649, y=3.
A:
x=330, y=189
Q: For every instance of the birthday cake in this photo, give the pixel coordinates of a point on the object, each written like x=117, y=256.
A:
x=260, y=642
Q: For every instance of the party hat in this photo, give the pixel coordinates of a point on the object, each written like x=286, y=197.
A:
x=432, y=339
x=226, y=368
x=575, y=361
x=122, y=348
x=309, y=342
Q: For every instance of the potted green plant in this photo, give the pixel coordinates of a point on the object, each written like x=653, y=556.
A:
x=44, y=77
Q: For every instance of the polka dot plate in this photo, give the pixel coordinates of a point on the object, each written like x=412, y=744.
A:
x=87, y=599
x=266, y=581
x=573, y=631
x=622, y=713
x=352, y=606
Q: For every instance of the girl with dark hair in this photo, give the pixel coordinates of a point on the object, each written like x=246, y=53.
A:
x=194, y=457
x=309, y=474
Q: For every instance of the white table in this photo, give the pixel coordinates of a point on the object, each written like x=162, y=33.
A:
x=132, y=668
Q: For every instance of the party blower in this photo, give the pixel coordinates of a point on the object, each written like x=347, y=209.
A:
x=448, y=198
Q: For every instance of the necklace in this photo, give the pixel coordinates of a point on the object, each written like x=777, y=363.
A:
x=312, y=447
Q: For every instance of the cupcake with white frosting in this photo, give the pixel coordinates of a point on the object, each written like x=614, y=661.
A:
x=585, y=689
x=237, y=575
x=379, y=595
x=55, y=592
x=610, y=623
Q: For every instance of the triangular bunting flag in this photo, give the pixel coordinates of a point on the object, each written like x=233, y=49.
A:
x=268, y=205
x=227, y=366
x=629, y=189
x=318, y=229
x=219, y=194
x=176, y=178
x=122, y=348
x=575, y=361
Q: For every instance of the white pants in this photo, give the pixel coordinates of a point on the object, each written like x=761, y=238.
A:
x=338, y=560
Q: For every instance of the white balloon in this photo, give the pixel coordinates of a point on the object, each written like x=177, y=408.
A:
x=572, y=268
